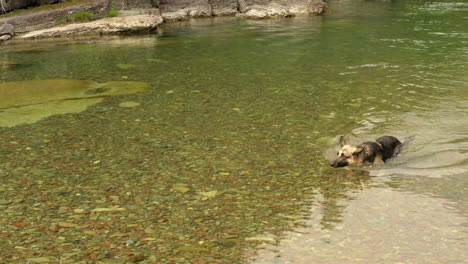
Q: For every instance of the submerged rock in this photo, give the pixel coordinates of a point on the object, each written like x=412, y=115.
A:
x=6, y=65
x=26, y=102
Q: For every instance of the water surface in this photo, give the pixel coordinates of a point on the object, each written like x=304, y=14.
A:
x=225, y=158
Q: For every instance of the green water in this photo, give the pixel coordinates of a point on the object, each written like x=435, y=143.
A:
x=225, y=158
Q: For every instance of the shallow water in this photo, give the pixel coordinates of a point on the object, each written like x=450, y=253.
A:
x=225, y=158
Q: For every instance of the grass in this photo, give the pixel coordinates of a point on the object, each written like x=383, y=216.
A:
x=60, y=21
x=81, y=16
x=112, y=12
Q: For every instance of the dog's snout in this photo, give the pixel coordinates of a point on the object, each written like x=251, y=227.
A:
x=339, y=163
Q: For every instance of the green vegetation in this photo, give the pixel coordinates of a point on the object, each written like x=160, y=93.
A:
x=60, y=21
x=81, y=16
x=112, y=12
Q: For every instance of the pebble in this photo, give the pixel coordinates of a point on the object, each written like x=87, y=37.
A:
x=79, y=211
x=226, y=243
x=260, y=239
x=109, y=210
x=149, y=231
x=54, y=228
x=4, y=202
x=66, y=224
x=39, y=260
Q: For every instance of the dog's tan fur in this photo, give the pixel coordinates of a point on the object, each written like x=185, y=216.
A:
x=354, y=155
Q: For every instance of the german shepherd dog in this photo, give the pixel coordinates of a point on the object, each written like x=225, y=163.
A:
x=369, y=153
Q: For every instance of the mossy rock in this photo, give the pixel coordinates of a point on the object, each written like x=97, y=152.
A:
x=29, y=101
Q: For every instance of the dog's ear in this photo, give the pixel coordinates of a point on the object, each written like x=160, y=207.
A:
x=358, y=151
x=343, y=141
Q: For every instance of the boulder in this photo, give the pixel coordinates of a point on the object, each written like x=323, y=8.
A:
x=10, y=5
x=7, y=29
x=31, y=19
x=266, y=11
x=5, y=37
x=132, y=23
x=224, y=7
x=131, y=4
x=258, y=9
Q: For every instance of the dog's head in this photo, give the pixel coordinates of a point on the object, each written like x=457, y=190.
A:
x=348, y=154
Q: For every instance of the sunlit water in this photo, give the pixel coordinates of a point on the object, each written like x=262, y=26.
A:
x=225, y=159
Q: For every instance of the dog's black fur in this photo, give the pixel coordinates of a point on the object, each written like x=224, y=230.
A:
x=390, y=147
x=377, y=152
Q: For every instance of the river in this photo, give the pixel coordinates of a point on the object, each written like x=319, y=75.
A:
x=209, y=141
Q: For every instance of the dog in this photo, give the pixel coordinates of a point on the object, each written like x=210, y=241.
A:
x=367, y=153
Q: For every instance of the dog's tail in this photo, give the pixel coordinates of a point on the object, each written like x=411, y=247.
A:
x=403, y=145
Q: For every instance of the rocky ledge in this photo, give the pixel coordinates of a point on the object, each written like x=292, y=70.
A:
x=146, y=20
x=60, y=20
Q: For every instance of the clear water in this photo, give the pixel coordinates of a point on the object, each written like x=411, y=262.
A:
x=226, y=159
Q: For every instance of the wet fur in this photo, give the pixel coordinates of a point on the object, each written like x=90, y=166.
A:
x=377, y=152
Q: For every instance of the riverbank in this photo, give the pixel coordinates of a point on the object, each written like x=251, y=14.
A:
x=78, y=18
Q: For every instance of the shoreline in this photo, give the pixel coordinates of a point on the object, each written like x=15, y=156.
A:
x=49, y=22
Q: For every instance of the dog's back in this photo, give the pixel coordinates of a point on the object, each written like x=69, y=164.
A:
x=390, y=146
x=371, y=152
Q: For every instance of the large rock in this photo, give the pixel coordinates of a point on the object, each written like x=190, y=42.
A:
x=258, y=9
x=255, y=9
x=5, y=37
x=45, y=18
x=7, y=31
x=266, y=11
x=183, y=9
x=10, y=5
x=224, y=7
x=133, y=23
x=131, y=4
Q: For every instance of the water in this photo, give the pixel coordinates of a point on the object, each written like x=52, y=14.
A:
x=226, y=157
